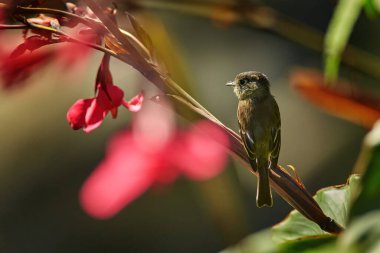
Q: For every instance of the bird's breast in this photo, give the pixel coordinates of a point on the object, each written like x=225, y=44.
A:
x=256, y=117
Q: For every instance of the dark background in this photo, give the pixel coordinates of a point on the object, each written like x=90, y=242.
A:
x=43, y=163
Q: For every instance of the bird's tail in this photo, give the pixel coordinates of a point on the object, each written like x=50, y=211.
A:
x=264, y=195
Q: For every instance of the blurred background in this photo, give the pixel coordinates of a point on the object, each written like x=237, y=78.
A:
x=43, y=162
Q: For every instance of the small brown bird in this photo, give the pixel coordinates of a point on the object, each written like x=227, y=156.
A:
x=260, y=128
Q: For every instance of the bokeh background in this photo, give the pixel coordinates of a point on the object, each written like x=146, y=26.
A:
x=43, y=162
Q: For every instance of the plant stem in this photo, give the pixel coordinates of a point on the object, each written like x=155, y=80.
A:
x=11, y=27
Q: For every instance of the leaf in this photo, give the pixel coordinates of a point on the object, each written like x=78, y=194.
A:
x=334, y=201
x=339, y=100
x=142, y=35
x=114, y=45
x=261, y=242
x=257, y=242
x=363, y=235
x=372, y=7
x=369, y=161
x=310, y=244
x=345, y=15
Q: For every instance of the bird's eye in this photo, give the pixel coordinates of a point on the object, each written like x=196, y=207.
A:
x=243, y=81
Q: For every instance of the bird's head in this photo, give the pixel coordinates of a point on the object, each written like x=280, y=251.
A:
x=251, y=84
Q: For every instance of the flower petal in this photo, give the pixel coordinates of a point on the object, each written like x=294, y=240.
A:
x=116, y=95
x=123, y=176
x=104, y=76
x=114, y=99
x=77, y=113
x=135, y=103
x=15, y=70
x=94, y=116
x=30, y=44
x=154, y=128
x=204, y=152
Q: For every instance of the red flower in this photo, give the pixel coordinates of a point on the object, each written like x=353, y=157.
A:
x=15, y=70
x=29, y=57
x=89, y=113
x=151, y=153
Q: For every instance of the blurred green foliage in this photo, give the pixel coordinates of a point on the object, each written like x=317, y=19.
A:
x=368, y=199
x=338, y=33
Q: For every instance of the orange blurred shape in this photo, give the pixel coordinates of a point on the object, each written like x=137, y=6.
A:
x=224, y=16
x=339, y=99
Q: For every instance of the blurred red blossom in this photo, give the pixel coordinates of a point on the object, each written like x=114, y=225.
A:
x=15, y=70
x=152, y=152
x=19, y=64
x=27, y=58
x=31, y=44
x=1, y=13
x=89, y=113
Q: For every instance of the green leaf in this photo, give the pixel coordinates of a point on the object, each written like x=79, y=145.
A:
x=372, y=7
x=363, y=235
x=310, y=244
x=298, y=234
x=141, y=34
x=345, y=15
x=260, y=242
x=335, y=203
x=369, y=197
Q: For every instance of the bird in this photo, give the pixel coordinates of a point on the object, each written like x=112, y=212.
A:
x=260, y=128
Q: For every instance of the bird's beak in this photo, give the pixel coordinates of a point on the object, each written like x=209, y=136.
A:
x=230, y=83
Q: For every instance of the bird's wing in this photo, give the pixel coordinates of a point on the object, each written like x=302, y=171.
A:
x=275, y=144
x=275, y=139
x=249, y=144
x=248, y=141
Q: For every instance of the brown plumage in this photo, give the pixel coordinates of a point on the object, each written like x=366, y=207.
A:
x=260, y=128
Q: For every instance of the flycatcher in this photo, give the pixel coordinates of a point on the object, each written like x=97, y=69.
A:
x=260, y=128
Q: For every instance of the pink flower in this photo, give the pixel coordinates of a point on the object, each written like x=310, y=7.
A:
x=149, y=154
x=89, y=113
